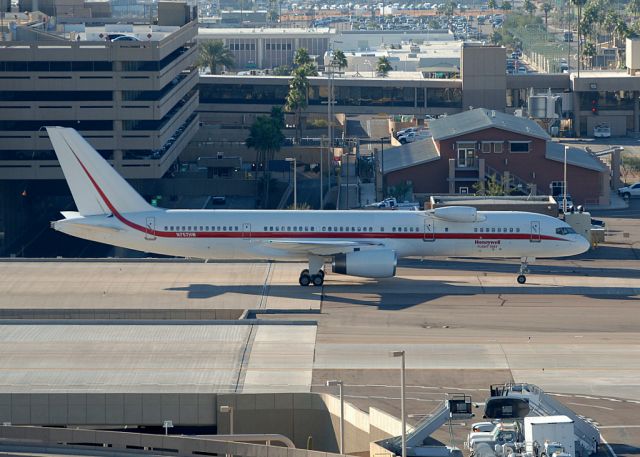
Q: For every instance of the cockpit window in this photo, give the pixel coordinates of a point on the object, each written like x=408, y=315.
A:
x=565, y=231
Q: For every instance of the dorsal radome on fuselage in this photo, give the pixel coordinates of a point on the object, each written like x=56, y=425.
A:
x=96, y=187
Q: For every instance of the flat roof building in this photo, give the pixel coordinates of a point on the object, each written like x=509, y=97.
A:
x=134, y=100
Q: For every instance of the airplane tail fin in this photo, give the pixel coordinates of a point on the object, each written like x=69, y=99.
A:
x=96, y=187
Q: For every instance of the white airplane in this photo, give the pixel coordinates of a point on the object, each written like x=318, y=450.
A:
x=360, y=243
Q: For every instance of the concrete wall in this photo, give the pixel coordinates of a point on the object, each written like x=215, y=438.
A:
x=63, y=441
x=297, y=416
x=107, y=409
x=484, y=78
x=356, y=427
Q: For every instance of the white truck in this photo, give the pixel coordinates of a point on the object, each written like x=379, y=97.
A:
x=632, y=190
x=503, y=434
x=549, y=435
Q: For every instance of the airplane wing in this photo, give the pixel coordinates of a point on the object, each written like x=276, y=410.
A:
x=320, y=247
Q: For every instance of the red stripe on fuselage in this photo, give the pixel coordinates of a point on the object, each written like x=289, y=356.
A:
x=308, y=235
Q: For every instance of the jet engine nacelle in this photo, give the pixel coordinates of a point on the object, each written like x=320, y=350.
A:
x=458, y=214
x=374, y=263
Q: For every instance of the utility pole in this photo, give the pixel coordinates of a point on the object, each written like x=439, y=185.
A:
x=330, y=102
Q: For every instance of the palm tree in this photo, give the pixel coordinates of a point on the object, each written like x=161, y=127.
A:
x=634, y=7
x=339, y=60
x=214, y=54
x=589, y=51
x=546, y=8
x=579, y=4
x=383, y=66
x=529, y=7
x=297, y=98
x=301, y=58
x=266, y=138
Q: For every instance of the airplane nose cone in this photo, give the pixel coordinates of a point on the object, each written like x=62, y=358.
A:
x=582, y=245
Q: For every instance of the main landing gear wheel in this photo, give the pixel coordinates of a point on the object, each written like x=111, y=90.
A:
x=318, y=279
x=305, y=279
x=522, y=279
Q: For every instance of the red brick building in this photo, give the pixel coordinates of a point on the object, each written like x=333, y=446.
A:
x=469, y=147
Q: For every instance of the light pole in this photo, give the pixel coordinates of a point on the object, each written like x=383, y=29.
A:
x=564, y=187
x=321, y=171
x=401, y=354
x=295, y=181
x=228, y=409
x=340, y=385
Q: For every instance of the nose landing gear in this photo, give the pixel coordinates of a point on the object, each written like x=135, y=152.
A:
x=524, y=269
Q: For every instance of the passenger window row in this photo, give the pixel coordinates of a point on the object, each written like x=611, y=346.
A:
x=202, y=228
x=497, y=229
x=288, y=228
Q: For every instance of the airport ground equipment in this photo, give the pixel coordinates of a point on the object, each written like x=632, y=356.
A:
x=454, y=407
x=541, y=431
x=539, y=403
x=503, y=435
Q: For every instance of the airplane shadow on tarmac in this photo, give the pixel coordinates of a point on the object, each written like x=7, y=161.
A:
x=401, y=293
x=586, y=268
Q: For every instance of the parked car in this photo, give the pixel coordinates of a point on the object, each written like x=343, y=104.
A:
x=408, y=137
x=632, y=190
x=405, y=131
x=560, y=199
x=602, y=131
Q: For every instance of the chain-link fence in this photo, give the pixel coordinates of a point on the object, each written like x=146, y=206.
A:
x=544, y=51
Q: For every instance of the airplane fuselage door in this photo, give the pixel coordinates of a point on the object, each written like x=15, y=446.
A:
x=150, y=228
x=429, y=230
x=535, y=232
x=246, y=231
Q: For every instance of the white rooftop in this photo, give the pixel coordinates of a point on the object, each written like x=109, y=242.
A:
x=548, y=420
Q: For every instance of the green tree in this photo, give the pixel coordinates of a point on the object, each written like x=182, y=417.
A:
x=266, y=137
x=546, y=9
x=297, y=97
x=277, y=114
x=496, y=38
x=633, y=7
x=490, y=187
x=529, y=7
x=213, y=54
x=301, y=58
x=383, y=66
x=492, y=4
x=339, y=59
x=506, y=6
x=589, y=51
x=579, y=4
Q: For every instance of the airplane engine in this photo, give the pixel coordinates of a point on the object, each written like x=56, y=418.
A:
x=374, y=263
x=458, y=214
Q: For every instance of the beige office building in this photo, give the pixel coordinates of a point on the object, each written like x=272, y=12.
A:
x=133, y=98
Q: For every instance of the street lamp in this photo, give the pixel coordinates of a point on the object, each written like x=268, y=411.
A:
x=401, y=354
x=340, y=385
x=564, y=192
x=295, y=182
x=228, y=409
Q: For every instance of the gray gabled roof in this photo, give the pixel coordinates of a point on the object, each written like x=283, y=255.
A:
x=479, y=119
x=409, y=155
x=575, y=156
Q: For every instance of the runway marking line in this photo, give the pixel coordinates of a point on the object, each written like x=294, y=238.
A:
x=619, y=426
x=591, y=406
